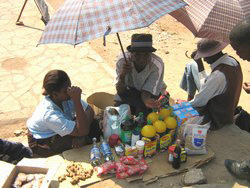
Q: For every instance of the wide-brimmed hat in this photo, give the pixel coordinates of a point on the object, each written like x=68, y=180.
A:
x=141, y=43
x=207, y=48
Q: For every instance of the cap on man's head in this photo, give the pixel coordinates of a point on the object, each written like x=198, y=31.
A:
x=141, y=43
x=207, y=48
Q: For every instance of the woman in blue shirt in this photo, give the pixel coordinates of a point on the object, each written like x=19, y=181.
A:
x=62, y=120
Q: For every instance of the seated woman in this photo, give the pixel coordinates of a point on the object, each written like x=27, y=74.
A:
x=62, y=120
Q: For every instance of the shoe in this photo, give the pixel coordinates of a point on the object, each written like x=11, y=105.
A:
x=238, y=169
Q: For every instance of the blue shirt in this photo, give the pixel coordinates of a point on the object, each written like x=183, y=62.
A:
x=48, y=119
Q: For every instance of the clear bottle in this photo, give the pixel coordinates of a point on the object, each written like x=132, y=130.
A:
x=106, y=151
x=95, y=154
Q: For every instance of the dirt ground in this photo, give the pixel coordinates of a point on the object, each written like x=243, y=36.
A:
x=172, y=40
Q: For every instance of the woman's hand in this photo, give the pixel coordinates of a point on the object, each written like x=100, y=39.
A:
x=246, y=87
x=74, y=92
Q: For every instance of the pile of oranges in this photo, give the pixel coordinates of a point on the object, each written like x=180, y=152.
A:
x=159, y=122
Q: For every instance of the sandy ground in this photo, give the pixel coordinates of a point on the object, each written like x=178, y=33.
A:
x=172, y=41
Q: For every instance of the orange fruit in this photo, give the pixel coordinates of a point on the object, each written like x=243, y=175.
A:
x=148, y=131
x=171, y=122
x=160, y=126
x=153, y=116
x=164, y=112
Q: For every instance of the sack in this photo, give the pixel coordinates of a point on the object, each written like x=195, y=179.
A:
x=112, y=119
x=194, y=135
x=242, y=119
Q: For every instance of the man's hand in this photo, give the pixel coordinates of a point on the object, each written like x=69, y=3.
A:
x=126, y=68
x=74, y=92
x=246, y=87
x=200, y=65
x=151, y=103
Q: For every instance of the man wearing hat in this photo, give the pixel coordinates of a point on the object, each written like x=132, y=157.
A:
x=139, y=80
x=220, y=93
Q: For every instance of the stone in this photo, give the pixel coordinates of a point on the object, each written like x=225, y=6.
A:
x=194, y=176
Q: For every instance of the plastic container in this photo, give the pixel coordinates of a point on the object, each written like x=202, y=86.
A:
x=140, y=148
x=95, y=154
x=135, y=136
x=106, y=151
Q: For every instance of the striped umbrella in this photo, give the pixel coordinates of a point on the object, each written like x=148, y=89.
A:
x=212, y=19
x=82, y=20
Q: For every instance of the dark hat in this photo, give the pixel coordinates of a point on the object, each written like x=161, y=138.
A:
x=141, y=43
x=208, y=48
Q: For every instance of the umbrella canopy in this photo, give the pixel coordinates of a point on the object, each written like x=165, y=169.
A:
x=82, y=20
x=212, y=19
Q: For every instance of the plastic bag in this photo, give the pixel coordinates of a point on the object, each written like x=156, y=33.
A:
x=105, y=168
x=195, y=138
x=112, y=118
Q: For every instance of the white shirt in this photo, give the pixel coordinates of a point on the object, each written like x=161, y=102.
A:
x=48, y=119
x=149, y=79
x=215, y=83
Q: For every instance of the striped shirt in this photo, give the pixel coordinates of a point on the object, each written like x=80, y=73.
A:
x=149, y=79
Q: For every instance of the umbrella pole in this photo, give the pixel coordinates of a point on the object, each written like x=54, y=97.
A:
x=121, y=47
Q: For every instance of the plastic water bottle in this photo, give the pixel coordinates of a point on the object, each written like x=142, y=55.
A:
x=95, y=154
x=106, y=151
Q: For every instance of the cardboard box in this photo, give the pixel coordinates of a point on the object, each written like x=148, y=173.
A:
x=181, y=105
x=29, y=169
x=184, y=114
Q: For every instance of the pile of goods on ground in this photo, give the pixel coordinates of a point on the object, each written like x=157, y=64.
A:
x=137, y=137
x=133, y=138
x=76, y=172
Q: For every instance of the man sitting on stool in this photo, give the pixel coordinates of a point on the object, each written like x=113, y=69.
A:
x=139, y=81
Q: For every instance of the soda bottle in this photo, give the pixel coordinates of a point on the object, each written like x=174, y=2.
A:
x=139, y=120
x=95, y=154
x=177, y=155
x=126, y=133
x=106, y=151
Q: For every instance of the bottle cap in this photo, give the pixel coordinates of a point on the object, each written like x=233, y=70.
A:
x=140, y=143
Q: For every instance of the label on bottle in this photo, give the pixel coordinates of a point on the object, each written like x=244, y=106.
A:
x=126, y=136
x=170, y=157
x=95, y=154
x=105, y=148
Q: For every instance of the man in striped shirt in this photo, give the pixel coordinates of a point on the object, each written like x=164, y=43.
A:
x=139, y=80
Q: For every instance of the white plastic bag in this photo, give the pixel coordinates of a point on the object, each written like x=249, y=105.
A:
x=193, y=134
x=112, y=118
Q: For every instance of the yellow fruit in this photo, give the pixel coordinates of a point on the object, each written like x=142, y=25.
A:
x=165, y=112
x=160, y=126
x=171, y=122
x=148, y=131
x=153, y=116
